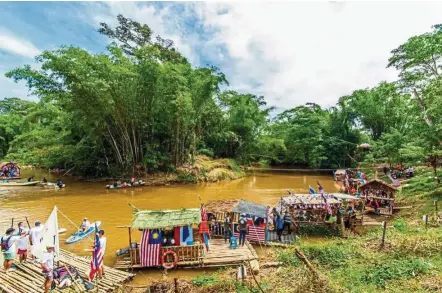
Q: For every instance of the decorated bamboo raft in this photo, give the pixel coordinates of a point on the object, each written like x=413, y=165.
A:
x=219, y=255
x=27, y=278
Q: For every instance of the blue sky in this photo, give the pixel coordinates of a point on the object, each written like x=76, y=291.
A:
x=290, y=52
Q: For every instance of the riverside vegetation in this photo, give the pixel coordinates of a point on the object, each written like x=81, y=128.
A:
x=140, y=106
x=410, y=261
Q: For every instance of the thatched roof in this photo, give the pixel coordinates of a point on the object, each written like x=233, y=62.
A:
x=221, y=206
x=165, y=218
x=236, y=206
x=378, y=184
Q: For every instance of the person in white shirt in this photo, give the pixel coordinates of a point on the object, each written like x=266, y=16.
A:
x=103, y=241
x=47, y=266
x=8, y=248
x=36, y=238
x=23, y=243
x=85, y=225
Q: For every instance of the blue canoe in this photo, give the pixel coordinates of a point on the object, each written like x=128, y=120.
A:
x=81, y=235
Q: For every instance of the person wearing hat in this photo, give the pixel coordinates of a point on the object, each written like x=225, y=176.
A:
x=23, y=243
x=47, y=266
x=85, y=225
x=8, y=248
x=242, y=229
x=36, y=238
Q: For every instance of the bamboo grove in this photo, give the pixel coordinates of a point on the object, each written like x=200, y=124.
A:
x=141, y=105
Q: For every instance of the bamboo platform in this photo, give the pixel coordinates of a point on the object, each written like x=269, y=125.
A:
x=219, y=255
x=27, y=277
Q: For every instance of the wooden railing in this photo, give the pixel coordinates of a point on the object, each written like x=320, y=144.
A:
x=186, y=254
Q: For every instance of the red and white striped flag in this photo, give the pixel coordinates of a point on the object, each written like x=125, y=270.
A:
x=97, y=256
x=150, y=248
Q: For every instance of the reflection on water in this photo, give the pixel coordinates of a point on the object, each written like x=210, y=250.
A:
x=111, y=207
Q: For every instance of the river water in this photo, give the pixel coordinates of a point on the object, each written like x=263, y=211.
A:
x=93, y=200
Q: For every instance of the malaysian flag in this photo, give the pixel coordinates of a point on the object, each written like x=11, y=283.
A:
x=203, y=213
x=97, y=256
x=150, y=248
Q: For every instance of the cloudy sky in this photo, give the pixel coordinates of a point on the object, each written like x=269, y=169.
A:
x=290, y=52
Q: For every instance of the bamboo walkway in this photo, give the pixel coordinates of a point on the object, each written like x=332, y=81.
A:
x=27, y=278
x=220, y=255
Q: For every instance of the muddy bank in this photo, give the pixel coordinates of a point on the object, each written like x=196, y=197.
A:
x=204, y=169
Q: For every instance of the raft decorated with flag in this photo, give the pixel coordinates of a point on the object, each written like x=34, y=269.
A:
x=177, y=238
x=256, y=215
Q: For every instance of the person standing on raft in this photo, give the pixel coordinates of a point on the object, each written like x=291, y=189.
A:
x=36, y=238
x=242, y=229
x=23, y=242
x=8, y=248
x=47, y=266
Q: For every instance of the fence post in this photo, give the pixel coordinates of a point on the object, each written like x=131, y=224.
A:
x=384, y=229
x=426, y=221
x=175, y=280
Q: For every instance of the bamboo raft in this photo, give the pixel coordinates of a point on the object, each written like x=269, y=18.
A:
x=219, y=255
x=27, y=278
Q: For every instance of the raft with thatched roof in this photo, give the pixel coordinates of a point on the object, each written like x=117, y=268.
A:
x=190, y=253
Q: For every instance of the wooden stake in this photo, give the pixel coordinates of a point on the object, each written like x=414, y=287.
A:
x=29, y=226
x=435, y=206
x=302, y=257
x=175, y=280
x=254, y=278
x=130, y=245
x=384, y=229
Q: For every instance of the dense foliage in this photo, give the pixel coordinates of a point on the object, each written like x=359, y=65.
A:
x=140, y=105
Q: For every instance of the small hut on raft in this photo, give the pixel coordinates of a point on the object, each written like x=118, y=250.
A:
x=311, y=210
x=9, y=170
x=256, y=214
x=171, y=238
x=379, y=196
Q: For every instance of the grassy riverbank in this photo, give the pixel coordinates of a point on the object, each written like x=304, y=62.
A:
x=410, y=260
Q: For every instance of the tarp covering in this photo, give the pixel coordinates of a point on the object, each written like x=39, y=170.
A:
x=250, y=208
x=344, y=196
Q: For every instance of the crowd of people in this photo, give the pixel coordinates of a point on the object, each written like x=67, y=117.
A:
x=23, y=240
x=9, y=171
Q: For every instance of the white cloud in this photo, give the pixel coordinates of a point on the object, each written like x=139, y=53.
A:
x=301, y=52
x=164, y=22
x=15, y=45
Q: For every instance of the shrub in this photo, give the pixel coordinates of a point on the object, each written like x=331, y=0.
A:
x=394, y=269
x=204, y=281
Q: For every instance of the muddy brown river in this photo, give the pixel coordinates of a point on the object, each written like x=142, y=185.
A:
x=93, y=200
